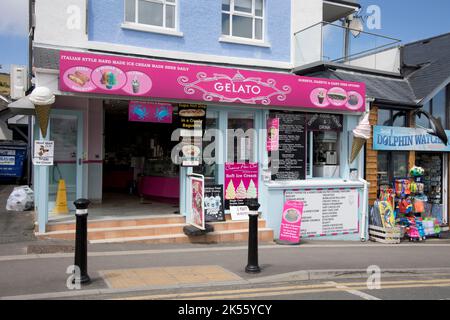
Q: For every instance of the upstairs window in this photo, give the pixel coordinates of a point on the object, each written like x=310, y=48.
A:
x=157, y=13
x=243, y=19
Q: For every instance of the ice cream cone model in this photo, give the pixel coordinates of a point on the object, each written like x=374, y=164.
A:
x=358, y=144
x=360, y=136
x=43, y=116
x=42, y=98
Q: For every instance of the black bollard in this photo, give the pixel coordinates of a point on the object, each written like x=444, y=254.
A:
x=81, y=239
x=252, y=265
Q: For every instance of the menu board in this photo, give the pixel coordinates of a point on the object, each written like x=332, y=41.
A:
x=327, y=212
x=214, y=203
x=324, y=122
x=288, y=163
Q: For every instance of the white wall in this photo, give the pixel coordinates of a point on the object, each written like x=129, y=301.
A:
x=388, y=60
x=307, y=44
x=61, y=22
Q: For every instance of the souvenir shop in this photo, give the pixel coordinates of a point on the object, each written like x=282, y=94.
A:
x=411, y=197
x=155, y=126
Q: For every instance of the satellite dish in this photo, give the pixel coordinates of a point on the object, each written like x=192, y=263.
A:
x=437, y=129
x=356, y=26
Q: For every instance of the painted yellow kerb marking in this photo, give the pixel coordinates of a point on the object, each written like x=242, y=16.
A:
x=283, y=293
x=292, y=289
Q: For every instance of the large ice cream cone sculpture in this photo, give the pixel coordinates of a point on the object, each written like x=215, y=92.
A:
x=360, y=136
x=43, y=116
x=358, y=144
x=42, y=98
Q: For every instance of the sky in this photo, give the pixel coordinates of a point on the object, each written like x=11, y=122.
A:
x=407, y=20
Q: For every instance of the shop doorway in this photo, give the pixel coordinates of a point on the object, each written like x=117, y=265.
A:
x=66, y=130
x=435, y=181
x=139, y=177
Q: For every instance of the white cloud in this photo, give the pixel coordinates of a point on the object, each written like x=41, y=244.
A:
x=14, y=17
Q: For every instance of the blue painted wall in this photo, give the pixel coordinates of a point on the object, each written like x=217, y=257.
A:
x=201, y=25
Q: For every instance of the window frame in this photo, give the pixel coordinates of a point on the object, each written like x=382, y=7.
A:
x=251, y=15
x=145, y=26
x=391, y=117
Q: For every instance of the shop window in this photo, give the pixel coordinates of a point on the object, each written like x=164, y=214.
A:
x=325, y=146
x=208, y=167
x=157, y=13
x=241, y=138
x=243, y=18
x=437, y=108
x=391, y=165
x=392, y=118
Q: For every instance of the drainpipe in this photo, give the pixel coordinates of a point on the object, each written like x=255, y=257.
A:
x=30, y=76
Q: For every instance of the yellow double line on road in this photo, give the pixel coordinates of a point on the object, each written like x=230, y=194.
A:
x=289, y=290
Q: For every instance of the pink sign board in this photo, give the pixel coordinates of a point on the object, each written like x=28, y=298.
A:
x=120, y=75
x=241, y=183
x=150, y=112
x=273, y=133
x=197, y=203
x=291, y=221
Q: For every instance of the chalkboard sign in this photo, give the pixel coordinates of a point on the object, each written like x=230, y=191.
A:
x=324, y=122
x=289, y=162
x=214, y=203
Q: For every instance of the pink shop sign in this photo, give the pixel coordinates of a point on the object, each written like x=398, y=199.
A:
x=291, y=221
x=120, y=75
x=150, y=112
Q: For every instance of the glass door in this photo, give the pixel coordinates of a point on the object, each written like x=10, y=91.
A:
x=66, y=130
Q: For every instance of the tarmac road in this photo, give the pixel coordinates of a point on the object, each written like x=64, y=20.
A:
x=184, y=269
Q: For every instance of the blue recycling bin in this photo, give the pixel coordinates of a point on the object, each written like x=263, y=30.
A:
x=12, y=157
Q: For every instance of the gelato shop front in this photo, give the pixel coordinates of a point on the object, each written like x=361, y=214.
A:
x=252, y=136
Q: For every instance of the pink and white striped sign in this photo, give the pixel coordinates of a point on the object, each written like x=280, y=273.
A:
x=120, y=75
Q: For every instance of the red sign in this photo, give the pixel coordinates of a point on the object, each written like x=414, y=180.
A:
x=291, y=221
x=119, y=75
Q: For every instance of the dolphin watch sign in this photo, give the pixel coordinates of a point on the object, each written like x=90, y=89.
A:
x=407, y=139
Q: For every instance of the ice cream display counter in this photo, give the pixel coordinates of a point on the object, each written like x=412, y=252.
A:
x=160, y=180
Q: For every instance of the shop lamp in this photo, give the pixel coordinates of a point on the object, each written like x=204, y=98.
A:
x=437, y=129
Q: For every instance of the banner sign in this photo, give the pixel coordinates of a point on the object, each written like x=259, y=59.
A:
x=43, y=153
x=407, y=139
x=327, y=212
x=197, y=185
x=324, y=122
x=214, y=203
x=291, y=221
x=241, y=183
x=273, y=134
x=150, y=112
x=121, y=75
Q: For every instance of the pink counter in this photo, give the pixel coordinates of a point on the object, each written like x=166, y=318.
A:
x=160, y=187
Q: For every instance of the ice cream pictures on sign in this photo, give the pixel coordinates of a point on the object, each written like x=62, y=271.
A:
x=241, y=183
x=241, y=192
